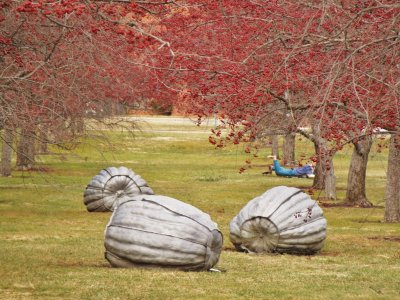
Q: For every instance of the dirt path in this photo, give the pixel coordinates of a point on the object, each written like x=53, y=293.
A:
x=170, y=120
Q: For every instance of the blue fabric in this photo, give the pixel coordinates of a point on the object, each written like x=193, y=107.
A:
x=280, y=171
x=307, y=169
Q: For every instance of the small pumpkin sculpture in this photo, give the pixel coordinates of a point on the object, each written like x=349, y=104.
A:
x=283, y=219
x=113, y=186
x=159, y=231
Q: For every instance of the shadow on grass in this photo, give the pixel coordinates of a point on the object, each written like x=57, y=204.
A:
x=386, y=238
x=345, y=204
x=80, y=264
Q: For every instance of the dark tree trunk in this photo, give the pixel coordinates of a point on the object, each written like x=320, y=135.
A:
x=274, y=140
x=392, y=204
x=77, y=126
x=26, y=149
x=319, y=179
x=324, y=172
x=355, y=194
x=289, y=149
x=330, y=181
x=43, y=140
x=319, y=170
x=6, y=151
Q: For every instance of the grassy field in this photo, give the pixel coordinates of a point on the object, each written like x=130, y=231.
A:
x=52, y=248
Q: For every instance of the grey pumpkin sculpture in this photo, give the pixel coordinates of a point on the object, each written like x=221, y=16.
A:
x=159, y=231
x=283, y=219
x=111, y=187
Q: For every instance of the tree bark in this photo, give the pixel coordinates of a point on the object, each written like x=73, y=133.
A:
x=392, y=204
x=43, y=139
x=26, y=149
x=289, y=149
x=77, y=125
x=330, y=181
x=274, y=140
x=319, y=179
x=6, y=151
x=355, y=194
x=324, y=171
x=319, y=170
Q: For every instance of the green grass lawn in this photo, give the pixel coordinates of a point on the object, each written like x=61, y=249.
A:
x=52, y=248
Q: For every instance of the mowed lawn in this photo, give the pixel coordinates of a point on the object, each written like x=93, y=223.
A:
x=52, y=248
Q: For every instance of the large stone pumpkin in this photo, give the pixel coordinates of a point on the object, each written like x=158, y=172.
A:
x=158, y=231
x=113, y=186
x=283, y=220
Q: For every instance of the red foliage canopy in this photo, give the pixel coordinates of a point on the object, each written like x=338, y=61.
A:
x=257, y=64
x=287, y=64
x=59, y=59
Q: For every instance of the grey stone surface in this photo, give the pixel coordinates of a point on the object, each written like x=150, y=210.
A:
x=158, y=231
x=283, y=219
x=111, y=187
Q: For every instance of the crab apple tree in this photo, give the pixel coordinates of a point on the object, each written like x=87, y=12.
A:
x=338, y=62
x=61, y=59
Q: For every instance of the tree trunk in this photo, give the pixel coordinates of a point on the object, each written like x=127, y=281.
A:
x=77, y=126
x=6, y=151
x=330, y=181
x=26, y=149
x=289, y=149
x=319, y=170
x=274, y=140
x=324, y=172
x=355, y=194
x=43, y=139
x=392, y=204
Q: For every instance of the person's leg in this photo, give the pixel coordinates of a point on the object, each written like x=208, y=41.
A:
x=281, y=171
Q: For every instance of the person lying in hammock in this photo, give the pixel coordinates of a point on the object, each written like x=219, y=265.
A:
x=304, y=171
